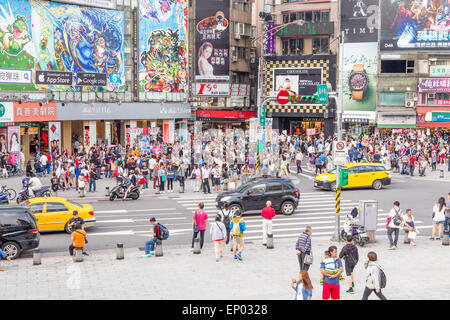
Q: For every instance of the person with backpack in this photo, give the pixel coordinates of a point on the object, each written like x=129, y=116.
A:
x=375, y=279
x=199, y=224
x=226, y=219
x=394, y=222
x=350, y=255
x=318, y=163
x=237, y=227
x=160, y=233
x=218, y=234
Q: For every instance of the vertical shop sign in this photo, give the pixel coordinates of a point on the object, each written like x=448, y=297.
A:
x=54, y=133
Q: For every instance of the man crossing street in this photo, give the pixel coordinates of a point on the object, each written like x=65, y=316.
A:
x=268, y=213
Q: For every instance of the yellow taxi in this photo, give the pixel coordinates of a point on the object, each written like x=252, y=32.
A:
x=360, y=175
x=53, y=213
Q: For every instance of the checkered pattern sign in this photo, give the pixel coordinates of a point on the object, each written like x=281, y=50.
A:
x=291, y=108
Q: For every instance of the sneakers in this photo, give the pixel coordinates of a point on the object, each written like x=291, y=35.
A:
x=235, y=257
x=217, y=259
x=152, y=253
x=350, y=291
x=353, y=284
x=264, y=244
x=146, y=255
x=393, y=248
x=191, y=249
x=412, y=243
x=431, y=238
x=85, y=253
x=221, y=256
x=239, y=256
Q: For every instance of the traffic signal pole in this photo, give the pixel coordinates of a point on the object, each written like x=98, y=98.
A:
x=339, y=107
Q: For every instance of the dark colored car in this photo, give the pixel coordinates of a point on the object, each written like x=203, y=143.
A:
x=18, y=229
x=254, y=194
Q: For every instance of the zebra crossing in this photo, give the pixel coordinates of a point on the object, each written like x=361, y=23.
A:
x=315, y=209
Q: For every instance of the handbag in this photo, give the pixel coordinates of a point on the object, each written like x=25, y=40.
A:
x=196, y=224
x=308, y=259
x=412, y=235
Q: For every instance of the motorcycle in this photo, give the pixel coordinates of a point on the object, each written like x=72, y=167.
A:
x=119, y=191
x=26, y=194
x=14, y=170
x=356, y=230
x=4, y=196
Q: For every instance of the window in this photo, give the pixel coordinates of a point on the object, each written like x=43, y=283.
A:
x=288, y=187
x=353, y=170
x=308, y=16
x=316, y=16
x=320, y=45
x=13, y=219
x=75, y=204
x=324, y=16
x=261, y=188
x=392, y=98
x=366, y=169
x=397, y=66
x=36, y=208
x=285, y=48
x=285, y=18
x=293, y=46
x=55, y=207
x=274, y=187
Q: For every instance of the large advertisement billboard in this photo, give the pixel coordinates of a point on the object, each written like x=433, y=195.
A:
x=54, y=46
x=163, y=53
x=415, y=25
x=360, y=74
x=302, y=81
x=359, y=20
x=212, y=40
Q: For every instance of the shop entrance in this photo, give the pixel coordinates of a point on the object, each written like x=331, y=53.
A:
x=301, y=127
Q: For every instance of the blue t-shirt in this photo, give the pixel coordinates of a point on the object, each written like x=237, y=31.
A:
x=323, y=157
x=334, y=281
x=306, y=293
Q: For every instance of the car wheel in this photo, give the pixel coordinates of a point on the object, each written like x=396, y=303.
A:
x=377, y=184
x=12, y=249
x=333, y=186
x=67, y=229
x=235, y=207
x=19, y=199
x=287, y=208
x=48, y=194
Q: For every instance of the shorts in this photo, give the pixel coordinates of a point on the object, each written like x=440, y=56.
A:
x=251, y=166
x=330, y=290
x=438, y=222
x=237, y=240
x=349, y=268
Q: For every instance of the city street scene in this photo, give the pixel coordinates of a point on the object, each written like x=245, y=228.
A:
x=224, y=150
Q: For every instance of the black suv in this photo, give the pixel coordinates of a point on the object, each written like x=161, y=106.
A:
x=18, y=229
x=254, y=194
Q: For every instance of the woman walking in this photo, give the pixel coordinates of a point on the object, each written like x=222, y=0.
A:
x=162, y=178
x=170, y=178
x=218, y=233
x=196, y=173
x=438, y=218
x=303, y=287
x=373, y=278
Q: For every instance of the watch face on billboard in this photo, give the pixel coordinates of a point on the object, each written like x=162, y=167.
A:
x=358, y=81
x=415, y=25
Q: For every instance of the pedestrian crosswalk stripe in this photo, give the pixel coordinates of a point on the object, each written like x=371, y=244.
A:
x=184, y=204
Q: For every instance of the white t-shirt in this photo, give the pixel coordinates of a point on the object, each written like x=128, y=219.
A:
x=35, y=183
x=392, y=213
x=438, y=215
x=43, y=160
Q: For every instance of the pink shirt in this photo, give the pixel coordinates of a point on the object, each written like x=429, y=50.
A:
x=200, y=217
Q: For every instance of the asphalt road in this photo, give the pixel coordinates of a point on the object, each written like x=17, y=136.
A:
x=128, y=222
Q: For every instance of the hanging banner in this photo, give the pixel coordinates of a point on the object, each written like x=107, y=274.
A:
x=359, y=20
x=253, y=137
x=3, y=140
x=212, y=40
x=183, y=131
x=92, y=133
x=54, y=133
x=14, y=139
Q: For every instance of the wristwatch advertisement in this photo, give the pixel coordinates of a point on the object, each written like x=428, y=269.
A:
x=358, y=81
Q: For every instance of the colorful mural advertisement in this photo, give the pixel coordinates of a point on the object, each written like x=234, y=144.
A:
x=212, y=40
x=412, y=24
x=69, y=47
x=360, y=72
x=163, y=51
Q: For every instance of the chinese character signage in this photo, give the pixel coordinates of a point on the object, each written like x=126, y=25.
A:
x=434, y=85
x=212, y=40
x=439, y=71
x=33, y=111
x=163, y=51
x=269, y=38
x=49, y=37
x=441, y=117
x=415, y=25
x=359, y=20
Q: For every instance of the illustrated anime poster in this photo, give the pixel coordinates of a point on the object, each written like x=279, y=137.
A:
x=17, y=56
x=415, y=25
x=359, y=20
x=54, y=46
x=163, y=51
x=212, y=40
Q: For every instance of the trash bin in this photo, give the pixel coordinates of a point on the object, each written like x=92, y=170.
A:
x=368, y=217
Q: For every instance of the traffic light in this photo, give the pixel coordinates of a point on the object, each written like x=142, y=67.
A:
x=343, y=177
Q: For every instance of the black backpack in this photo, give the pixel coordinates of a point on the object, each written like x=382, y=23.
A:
x=226, y=219
x=383, y=278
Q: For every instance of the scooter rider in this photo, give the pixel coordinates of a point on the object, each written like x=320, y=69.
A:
x=132, y=183
x=34, y=184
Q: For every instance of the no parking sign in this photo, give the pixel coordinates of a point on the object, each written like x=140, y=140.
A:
x=339, y=152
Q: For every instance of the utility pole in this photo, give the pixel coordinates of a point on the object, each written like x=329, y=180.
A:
x=339, y=109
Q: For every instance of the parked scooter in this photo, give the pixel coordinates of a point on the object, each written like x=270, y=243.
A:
x=26, y=194
x=356, y=230
x=119, y=191
x=4, y=196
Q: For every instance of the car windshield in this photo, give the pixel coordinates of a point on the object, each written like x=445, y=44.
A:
x=75, y=204
x=244, y=187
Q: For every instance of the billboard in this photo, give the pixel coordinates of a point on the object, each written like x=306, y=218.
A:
x=360, y=76
x=212, y=40
x=53, y=39
x=359, y=20
x=302, y=81
x=163, y=51
x=415, y=25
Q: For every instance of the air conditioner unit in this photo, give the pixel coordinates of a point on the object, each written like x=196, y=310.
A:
x=237, y=35
x=409, y=103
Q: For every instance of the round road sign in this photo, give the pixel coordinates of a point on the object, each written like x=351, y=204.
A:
x=283, y=97
x=340, y=145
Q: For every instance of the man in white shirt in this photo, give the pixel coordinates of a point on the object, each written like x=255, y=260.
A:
x=394, y=224
x=151, y=166
x=34, y=184
x=205, y=178
x=298, y=161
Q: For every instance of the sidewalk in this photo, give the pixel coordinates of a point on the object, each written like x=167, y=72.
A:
x=412, y=273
